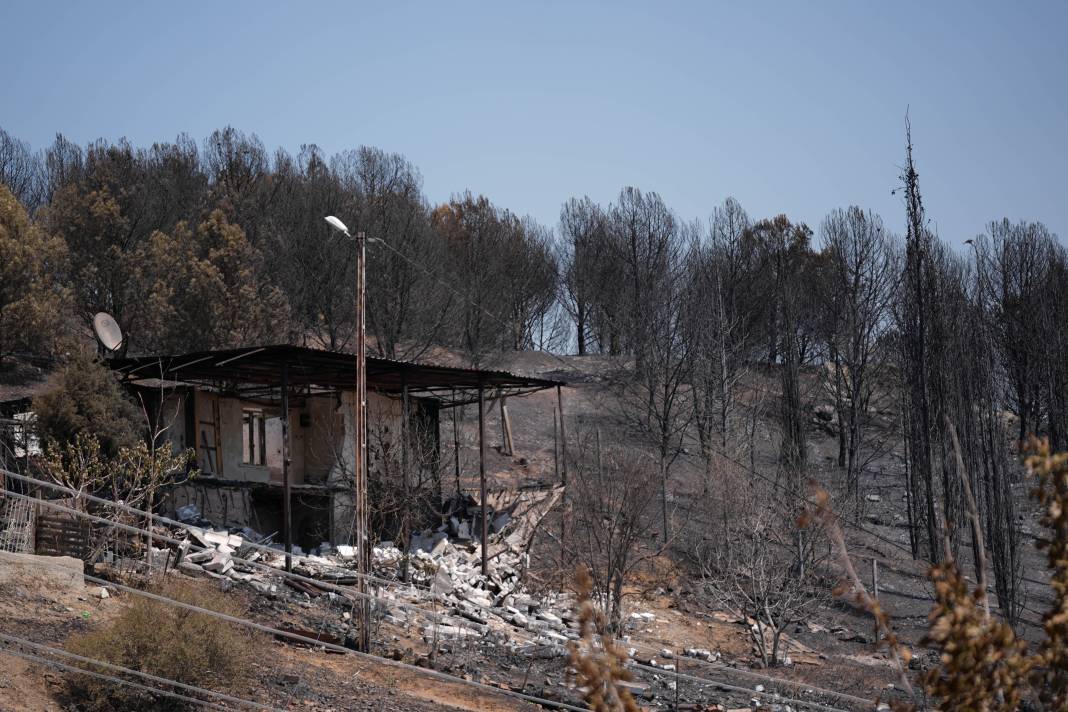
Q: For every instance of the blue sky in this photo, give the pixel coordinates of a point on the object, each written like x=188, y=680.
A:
x=790, y=107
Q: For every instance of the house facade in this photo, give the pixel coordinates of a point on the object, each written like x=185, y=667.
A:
x=274, y=424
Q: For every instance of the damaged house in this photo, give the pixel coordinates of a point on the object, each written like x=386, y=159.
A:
x=241, y=410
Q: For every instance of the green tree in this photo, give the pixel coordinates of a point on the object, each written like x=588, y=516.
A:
x=206, y=288
x=32, y=295
x=87, y=400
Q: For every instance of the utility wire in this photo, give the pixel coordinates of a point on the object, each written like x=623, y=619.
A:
x=63, y=667
x=347, y=651
x=435, y=617
x=304, y=639
x=734, y=688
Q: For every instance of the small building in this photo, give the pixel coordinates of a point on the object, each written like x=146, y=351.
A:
x=238, y=409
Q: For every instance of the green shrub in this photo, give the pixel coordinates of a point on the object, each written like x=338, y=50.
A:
x=87, y=400
x=167, y=641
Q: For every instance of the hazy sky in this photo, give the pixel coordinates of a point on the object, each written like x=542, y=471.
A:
x=790, y=107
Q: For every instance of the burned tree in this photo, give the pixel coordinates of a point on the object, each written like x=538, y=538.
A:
x=613, y=496
x=787, y=260
x=582, y=247
x=722, y=322
x=915, y=354
x=750, y=566
x=861, y=272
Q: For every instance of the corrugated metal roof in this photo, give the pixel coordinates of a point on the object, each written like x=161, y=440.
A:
x=263, y=366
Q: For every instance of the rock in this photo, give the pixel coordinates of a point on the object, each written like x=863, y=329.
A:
x=873, y=498
x=102, y=593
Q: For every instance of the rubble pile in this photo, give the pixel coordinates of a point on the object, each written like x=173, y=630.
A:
x=443, y=566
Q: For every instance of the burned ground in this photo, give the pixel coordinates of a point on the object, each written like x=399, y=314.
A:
x=511, y=630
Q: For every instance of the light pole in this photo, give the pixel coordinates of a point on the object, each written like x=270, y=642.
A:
x=363, y=552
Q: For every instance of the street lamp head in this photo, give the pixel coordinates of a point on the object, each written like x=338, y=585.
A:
x=337, y=225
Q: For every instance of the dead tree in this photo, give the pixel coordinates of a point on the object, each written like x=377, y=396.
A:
x=652, y=390
x=582, y=243
x=721, y=323
x=613, y=495
x=915, y=343
x=861, y=272
x=787, y=259
x=751, y=568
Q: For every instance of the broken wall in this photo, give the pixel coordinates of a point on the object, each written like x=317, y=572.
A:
x=225, y=506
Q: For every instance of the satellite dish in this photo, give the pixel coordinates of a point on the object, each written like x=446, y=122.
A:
x=108, y=333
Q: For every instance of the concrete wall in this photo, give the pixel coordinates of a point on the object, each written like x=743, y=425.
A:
x=230, y=506
x=321, y=451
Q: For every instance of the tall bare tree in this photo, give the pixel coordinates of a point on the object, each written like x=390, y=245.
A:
x=862, y=272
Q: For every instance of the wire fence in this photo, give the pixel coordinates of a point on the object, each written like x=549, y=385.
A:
x=17, y=524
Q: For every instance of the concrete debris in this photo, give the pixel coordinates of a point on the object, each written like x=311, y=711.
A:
x=702, y=654
x=442, y=566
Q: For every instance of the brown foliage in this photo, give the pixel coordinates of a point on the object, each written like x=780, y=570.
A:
x=1052, y=493
x=598, y=662
x=983, y=665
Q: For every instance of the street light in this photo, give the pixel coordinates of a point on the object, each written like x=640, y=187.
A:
x=337, y=225
x=363, y=560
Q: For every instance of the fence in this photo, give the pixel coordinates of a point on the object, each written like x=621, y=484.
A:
x=17, y=525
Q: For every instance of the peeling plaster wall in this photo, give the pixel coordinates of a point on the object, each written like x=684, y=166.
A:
x=228, y=506
x=321, y=452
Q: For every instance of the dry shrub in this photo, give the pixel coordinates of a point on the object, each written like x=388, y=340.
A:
x=1051, y=491
x=598, y=662
x=820, y=512
x=166, y=641
x=983, y=665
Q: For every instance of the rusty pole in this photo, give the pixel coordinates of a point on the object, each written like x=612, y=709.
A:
x=482, y=475
x=363, y=553
x=406, y=414
x=556, y=472
x=287, y=491
x=563, y=469
x=456, y=444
